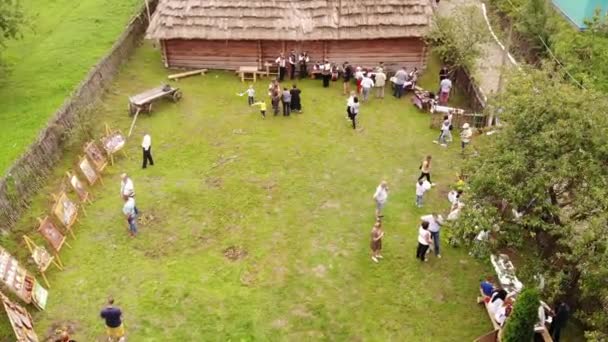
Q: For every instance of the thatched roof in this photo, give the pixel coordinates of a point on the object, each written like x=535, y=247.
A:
x=289, y=19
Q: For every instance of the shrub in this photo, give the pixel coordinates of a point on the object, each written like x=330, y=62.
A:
x=520, y=324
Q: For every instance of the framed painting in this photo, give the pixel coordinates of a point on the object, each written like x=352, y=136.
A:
x=98, y=159
x=78, y=187
x=65, y=210
x=88, y=170
x=51, y=234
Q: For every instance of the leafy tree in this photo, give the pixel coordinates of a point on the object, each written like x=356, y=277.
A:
x=544, y=176
x=12, y=20
x=520, y=324
x=458, y=38
x=531, y=24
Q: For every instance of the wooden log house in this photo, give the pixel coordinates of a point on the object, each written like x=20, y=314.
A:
x=228, y=34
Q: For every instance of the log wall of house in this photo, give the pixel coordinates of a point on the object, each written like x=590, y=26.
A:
x=231, y=54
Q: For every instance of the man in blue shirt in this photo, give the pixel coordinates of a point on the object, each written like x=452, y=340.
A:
x=112, y=316
x=487, y=287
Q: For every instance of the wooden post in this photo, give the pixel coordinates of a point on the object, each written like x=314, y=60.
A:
x=501, y=77
x=260, y=55
x=324, y=51
x=163, y=46
x=148, y=11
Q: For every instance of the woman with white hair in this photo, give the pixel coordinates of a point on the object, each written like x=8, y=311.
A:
x=465, y=135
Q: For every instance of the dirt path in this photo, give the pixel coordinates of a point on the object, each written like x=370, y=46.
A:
x=488, y=65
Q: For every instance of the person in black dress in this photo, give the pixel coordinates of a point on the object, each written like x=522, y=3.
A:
x=296, y=105
x=347, y=75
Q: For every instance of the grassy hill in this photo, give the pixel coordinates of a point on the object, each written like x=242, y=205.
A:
x=64, y=40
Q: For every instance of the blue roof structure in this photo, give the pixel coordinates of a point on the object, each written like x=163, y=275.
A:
x=579, y=10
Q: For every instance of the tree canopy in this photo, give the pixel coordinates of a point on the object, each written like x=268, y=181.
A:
x=12, y=20
x=541, y=184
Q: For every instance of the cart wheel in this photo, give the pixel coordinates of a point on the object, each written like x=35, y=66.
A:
x=177, y=95
x=132, y=109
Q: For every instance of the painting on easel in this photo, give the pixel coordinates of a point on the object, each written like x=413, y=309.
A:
x=78, y=187
x=51, y=234
x=65, y=210
x=88, y=171
x=98, y=159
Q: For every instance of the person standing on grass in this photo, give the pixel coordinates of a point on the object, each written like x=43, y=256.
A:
x=465, y=136
x=421, y=187
x=303, y=59
x=425, y=169
x=366, y=85
x=347, y=75
x=275, y=100
x=376, y=241
x=354, y=111
x=127, y=189
x=358, y=78
x=292, y=64
x=130, y=213
x=380, y=196
x=250, y=95
x=444, y=133
x=435, y=221
x=282, y=64
x=296, y=105
x=349, y=103
x=424, y=241
x=146, y=147
x=113, y=318
x=326, y=73
x=262, y=105
x=443, y=73
x=400, y=78
x=445, y=87
x=380, y=83
x=286, y=99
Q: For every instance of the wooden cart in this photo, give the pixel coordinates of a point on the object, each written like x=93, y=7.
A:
x=143, y=102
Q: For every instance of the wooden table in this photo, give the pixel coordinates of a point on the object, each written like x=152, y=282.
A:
x=244, y=70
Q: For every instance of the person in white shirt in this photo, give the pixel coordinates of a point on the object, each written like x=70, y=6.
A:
x=445, y=87
x=282, y=64
x=354, y=111
x=424, y=241
x=445, y=132
x=422, y=186
x=326, y=73
x=380, y=83
x=303, y=59
x=366, y=85
x=435, y=221
x=380, y=196
x=127, y=189
x=349, y=103
x=130, y=211
x=292, y=64
x=146, y=147
x=465, y=136
x=250, y=95
x=359, y=78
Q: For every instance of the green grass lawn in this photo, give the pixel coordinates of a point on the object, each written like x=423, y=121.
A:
x=294, y=193
x=63, y=42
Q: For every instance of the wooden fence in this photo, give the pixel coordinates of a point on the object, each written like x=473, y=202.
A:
x=29, y=173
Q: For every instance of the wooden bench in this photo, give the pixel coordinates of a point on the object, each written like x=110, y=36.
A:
x=176, y=77
x=251, y=70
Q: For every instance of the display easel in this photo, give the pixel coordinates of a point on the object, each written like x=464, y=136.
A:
x=78, y=187
x=98, y=159
x=20, y=319
x=53, y=236
x=89, y=171
x=42, y=258
x=65, y=211
x=113, y=142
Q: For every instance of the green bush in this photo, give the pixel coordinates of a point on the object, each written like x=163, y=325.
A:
x=520, y=324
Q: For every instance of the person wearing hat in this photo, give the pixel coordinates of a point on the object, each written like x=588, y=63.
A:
x=465, y=135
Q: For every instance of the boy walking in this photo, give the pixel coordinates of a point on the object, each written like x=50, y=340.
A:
x=286, y=102
x=250, y=95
